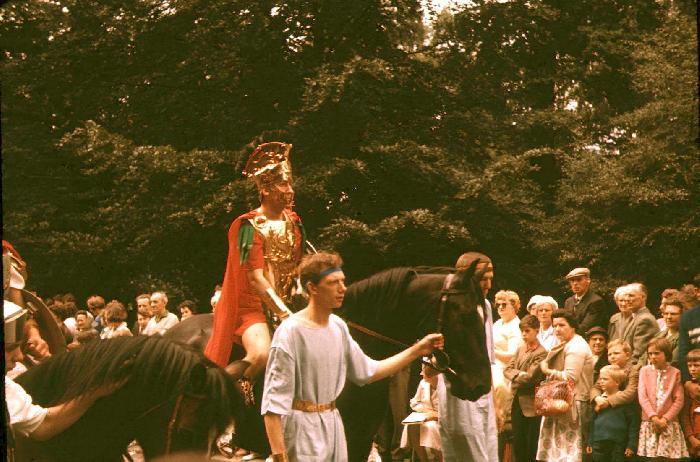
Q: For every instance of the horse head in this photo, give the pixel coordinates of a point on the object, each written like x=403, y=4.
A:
x=465, y=337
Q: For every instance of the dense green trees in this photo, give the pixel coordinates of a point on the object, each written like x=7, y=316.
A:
x=547, y=133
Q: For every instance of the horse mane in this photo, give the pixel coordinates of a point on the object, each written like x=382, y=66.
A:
x=153, y=366
x=384, y=290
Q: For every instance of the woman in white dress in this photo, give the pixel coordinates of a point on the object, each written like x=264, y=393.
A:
x=506, y=341
x=423, y=436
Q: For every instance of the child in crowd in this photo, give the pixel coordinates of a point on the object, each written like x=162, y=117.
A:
x=661, y=398
x=114, y=316
x=691, y=411
x=524, y=373
x=423, y=434
x=614, y=430
x=142, y=317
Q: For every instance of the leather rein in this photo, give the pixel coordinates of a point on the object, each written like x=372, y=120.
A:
x=440, y=360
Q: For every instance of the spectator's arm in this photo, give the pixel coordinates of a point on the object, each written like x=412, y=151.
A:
x=686, y=418
x=629, y=394
x=511, y=372
x=677, y=404
x=573, y=366
x=645, y=401
x=533, y=374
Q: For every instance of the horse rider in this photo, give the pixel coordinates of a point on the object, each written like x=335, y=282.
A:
x=15, y=274
x=265, y=248
x=22, y=416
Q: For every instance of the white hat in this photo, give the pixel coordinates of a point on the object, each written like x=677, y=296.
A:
x=534, y=300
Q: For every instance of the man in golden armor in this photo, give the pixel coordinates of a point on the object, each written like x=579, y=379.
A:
x=265, y=247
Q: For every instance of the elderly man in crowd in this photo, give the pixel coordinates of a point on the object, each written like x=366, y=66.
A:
x=639, y=326
x=597, y=338
x=162, y=319
x=588, y=307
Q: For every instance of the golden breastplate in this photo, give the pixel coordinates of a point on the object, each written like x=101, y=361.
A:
x=278, y=251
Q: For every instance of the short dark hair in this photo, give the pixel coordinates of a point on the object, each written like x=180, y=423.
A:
x=529, y=321
x=663, y=346
x=83, y=312
x=86, y=336
x=693, y=355
x=312, y=266
x=95, y=302
x=566, y=314
x=115, y=312
x=188, y=304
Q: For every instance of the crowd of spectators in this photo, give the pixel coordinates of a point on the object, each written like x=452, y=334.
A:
x=101, y=320
x=636, y=379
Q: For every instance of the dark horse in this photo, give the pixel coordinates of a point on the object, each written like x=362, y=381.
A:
x=404, y=304
x=173, y=399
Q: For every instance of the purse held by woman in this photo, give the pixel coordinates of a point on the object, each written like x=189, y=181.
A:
x=554, y=397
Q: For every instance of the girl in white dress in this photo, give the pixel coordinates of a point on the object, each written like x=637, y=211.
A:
x=424, y=437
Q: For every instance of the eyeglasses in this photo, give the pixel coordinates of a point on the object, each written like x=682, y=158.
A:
x=501, y=304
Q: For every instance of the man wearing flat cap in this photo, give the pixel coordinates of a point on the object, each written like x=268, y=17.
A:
x=597, y=338
x=588, y=307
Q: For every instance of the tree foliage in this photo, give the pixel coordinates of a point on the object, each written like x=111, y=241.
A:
x=549, y=134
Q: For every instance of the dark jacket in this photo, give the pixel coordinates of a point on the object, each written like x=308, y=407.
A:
x=590, y=311
x=619, y=424
x=688, y=338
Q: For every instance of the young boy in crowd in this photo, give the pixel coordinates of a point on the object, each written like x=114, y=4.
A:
x=614, y=430
x=620, y=355
x=691, y=411
x=524, y=373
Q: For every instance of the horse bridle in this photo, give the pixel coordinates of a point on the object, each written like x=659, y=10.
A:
x=439, y=360
x=174, y=417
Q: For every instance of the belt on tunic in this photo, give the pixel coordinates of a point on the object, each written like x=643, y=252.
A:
x=308, y=406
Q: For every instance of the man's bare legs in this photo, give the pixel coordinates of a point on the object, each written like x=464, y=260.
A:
x=256, y=341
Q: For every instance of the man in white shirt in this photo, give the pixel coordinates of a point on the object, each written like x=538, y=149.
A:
x=162, y=319
x=468, y=429
x=25, y=417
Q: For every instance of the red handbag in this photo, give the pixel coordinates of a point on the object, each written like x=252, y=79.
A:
x=554, y=397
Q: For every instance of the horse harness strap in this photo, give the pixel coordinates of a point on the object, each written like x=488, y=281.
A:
x=172, y=422
x=308, y=406
x=376, y=335
x=444, y=295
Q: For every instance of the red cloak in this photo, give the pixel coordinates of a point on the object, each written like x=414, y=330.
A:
x=235, y=287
